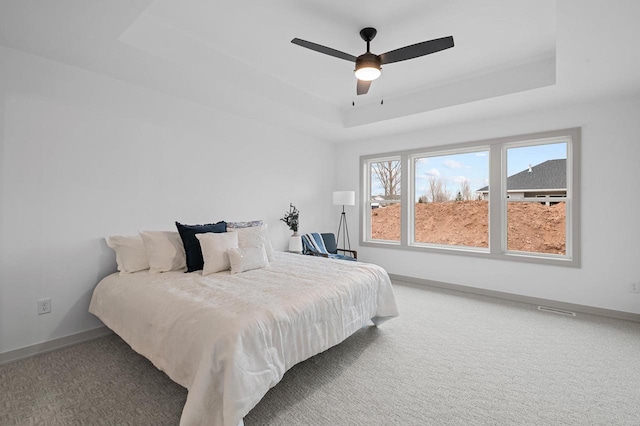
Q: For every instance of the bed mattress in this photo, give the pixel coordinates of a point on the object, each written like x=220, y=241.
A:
x=229, y=338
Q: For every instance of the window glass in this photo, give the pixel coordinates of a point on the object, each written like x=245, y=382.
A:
x=451, y=199
x=536, y=198
x=384, y=200
x=536, y=228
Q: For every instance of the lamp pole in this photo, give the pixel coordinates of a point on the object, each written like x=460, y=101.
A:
x=344, y=198
x=344, y=229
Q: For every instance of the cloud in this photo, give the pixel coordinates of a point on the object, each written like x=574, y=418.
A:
x=460, y=179
x=453, y=164
x=432, y=173
x=481, y=154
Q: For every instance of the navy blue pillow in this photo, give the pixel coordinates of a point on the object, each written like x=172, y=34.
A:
x=192, y=249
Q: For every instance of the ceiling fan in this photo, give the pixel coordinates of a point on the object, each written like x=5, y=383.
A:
x=368, y=65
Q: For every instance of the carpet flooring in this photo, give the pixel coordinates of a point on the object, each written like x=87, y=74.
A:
x=449, y=359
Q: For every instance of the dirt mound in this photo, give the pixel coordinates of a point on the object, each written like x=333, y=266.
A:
x=532, y=227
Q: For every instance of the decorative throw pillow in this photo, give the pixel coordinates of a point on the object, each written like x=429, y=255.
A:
x=246, y=259
x=214, y=250
x=256, y=236
x=164, y=250
x=192, y=246
x=249, y=224
x=131, y=255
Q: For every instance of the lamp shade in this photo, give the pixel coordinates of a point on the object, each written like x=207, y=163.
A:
x=368, y=73
x=344, y=198
x=368, y=66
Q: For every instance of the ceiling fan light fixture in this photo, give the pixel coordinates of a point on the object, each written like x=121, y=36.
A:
x=368, y=67
x=368, y=73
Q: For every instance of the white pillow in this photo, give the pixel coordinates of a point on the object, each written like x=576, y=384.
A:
x=254, y=237
x=214, y=247
x=131, y=255
x=246, y=259
x=164, y=250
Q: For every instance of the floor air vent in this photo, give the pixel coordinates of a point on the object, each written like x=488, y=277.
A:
x=556, y=311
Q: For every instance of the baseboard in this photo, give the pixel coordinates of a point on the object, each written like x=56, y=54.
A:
x=590, y=310
x=29, y=351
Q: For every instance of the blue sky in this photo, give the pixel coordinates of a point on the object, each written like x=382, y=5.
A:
x=474, y=167
x=453, y=170
x=518, y=159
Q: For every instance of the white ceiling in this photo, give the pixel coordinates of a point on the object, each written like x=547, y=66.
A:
x=509, y=55
x=488, y=35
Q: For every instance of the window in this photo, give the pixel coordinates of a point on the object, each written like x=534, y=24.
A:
x=384, y=204
x=439, y=199
x=536, y=174
x=448, y=209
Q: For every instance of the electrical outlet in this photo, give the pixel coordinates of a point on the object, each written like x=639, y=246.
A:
x=634, y=288
x=44, y=306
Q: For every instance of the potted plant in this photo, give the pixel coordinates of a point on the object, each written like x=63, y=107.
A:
x=291, y=218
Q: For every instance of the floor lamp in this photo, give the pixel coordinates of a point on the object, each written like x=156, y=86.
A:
x=344, y=198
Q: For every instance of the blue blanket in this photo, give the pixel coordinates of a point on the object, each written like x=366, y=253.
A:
x=314, y=243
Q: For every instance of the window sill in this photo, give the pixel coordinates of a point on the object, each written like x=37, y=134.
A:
x=541, y=259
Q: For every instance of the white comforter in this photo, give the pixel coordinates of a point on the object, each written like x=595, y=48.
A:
x=229, y=338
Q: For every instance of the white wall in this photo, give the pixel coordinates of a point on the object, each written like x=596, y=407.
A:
x=610, y=205
x=84, y=156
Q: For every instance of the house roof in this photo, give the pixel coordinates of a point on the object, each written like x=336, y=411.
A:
x=552, y=174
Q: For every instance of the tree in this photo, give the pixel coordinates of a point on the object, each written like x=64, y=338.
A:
x=465, y=191
x=388, y=174
x=438, y=191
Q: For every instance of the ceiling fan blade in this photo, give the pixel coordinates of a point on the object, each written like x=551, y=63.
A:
x=363, y=87
x=416, y=50
x=323, y=49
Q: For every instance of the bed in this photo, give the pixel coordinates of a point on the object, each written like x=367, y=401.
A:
x=229, y=338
